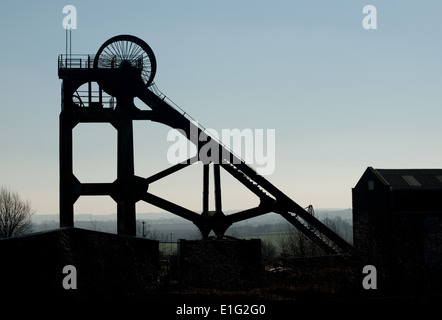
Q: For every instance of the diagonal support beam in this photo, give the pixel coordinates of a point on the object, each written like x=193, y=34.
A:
x=168, y=171
x=247, y=214
x=318, y=225
x=307, y=232
x=247, y=182
x=172, y=208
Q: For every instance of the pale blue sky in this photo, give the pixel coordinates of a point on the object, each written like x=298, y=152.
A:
x=340, y=98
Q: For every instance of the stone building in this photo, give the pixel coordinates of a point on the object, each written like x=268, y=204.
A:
x=397, y=227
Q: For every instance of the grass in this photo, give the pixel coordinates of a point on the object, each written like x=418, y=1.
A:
x=167, y=248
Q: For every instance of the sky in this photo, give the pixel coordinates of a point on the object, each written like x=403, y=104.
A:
x=339, y=97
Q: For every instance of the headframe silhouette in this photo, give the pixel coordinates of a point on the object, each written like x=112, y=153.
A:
x=124, y=68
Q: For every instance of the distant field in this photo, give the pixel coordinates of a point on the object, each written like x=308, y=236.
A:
x=274, y=238
x=269, y=228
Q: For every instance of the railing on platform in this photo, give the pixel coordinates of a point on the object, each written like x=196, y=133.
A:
x=86, y=61
x=94, y=99
x=76, y=61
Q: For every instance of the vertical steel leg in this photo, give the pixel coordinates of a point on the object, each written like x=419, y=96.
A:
x=217, y=178
x=206, y=188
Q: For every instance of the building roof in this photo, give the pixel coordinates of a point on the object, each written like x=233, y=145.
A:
x=410, y=178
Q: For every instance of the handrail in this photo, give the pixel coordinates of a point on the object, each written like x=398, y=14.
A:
x=76, y=61
x=86, y=61
x=154, y=88
x=83, y=97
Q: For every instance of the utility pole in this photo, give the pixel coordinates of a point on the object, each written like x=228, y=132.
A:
x=171, y=243
x=144, y=235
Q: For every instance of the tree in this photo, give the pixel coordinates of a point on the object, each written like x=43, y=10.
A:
x=268, y=253
x=294, y=243
x=15, y=214
x=342, y=227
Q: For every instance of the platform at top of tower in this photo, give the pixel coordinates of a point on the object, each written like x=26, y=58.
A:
x=83, y=62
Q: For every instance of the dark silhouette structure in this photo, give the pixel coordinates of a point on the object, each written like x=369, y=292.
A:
x=124, y=68
x=397, y=226
x=109, y=266
x=223, y=264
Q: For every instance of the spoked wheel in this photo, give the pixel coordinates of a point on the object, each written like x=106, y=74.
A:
x=126, y=51
x=76, y=99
